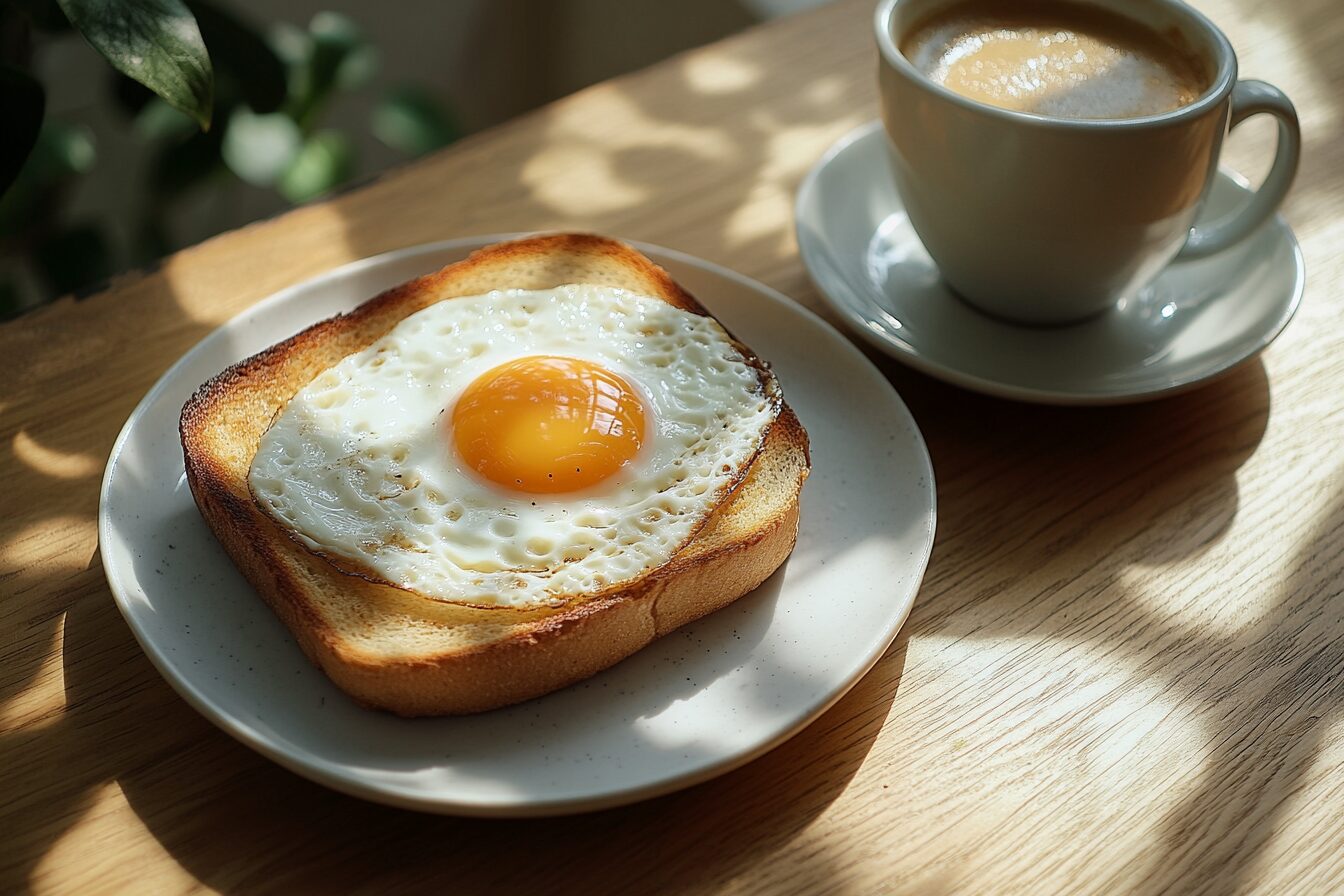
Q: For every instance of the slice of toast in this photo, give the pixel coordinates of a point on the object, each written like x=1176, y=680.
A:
x=395, y=650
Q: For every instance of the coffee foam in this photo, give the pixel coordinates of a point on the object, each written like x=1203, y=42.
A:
x=1051, y=60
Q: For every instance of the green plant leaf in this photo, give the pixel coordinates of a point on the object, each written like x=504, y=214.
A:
x=69, y=149
x=291, y=43
x=410, y=120
x=332, y=54
x=259, y=148
x=326, y=160
x=156, y=42
x=240, y=54
x=23, y=101
x=342, y=55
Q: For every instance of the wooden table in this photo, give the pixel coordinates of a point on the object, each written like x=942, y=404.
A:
x=1124, y=671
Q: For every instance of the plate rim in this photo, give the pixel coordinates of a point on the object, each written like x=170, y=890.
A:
x=907, y=354
x=336, y=776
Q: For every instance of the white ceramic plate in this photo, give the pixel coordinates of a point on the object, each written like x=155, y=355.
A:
x=695, y=704
x=1197, y=320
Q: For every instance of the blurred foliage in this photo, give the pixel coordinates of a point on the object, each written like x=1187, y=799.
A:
x=215, y=103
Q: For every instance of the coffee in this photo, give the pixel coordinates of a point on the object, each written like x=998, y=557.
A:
x=1063, y=60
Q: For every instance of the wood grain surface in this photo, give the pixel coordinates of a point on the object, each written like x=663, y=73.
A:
x=1124, y=671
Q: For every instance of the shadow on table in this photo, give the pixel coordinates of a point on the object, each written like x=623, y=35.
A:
x=1262, y=693
x=1281, y=703
x=218, y=807
x=56, y=462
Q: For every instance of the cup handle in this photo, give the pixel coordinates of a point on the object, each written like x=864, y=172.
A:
x=1251, y=98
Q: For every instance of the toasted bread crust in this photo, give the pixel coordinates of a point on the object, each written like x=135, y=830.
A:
x=397, y=651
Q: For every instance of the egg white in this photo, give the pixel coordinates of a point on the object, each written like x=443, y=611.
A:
x=360, y=464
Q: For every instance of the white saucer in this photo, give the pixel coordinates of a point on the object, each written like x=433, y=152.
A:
x=1196, y=321
x=705, y=699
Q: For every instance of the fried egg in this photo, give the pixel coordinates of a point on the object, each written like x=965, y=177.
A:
x=521, y=448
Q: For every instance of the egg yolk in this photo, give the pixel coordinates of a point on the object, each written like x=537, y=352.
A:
x=548, y=424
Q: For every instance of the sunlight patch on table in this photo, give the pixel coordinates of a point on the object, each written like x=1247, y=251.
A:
x=213, y=281
x=1301, y=837
x=595, y=187
x=1317, y=100
x=35, y=699
x=789, y=152
x=825, y=91
x=576, y=168
x=1047, y=733
x=50, y=462
x=80, y=862
x=717, y=73
x=1249, y=594
x=51, y=546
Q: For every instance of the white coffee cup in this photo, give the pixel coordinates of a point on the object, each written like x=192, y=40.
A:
x=1053, y=220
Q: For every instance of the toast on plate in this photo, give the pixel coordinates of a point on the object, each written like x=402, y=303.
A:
x=397, y=650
